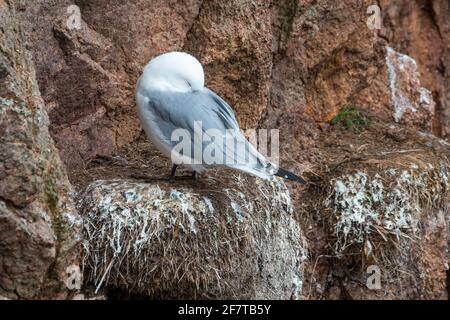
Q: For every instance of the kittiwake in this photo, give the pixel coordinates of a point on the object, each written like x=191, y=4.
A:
x=174, y=103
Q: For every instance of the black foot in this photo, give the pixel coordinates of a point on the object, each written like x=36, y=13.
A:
x=174, y=170
x=172, y=176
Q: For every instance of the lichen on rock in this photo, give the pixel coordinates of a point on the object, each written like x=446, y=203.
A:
x=411, y=102
x=38, y=222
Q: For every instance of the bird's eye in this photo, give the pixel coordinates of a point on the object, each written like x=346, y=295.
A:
x=188, y=83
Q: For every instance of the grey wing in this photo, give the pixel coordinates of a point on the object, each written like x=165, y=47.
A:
x=176, y=110
x=181, y=110
x=224, y=111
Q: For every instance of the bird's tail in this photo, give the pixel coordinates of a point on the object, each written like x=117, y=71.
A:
x=263, y=168
x=270, y=170
x=289, y=176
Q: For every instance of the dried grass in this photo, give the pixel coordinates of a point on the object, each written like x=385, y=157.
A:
x=207, y=239
x=374, y=206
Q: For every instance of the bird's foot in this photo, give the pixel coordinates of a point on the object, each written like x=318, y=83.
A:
x=174, y=178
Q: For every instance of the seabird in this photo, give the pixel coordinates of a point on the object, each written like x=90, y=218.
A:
x=171, y=96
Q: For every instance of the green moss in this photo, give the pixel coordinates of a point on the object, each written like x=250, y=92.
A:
x=290, y=9
x=52, y=200
x=350, y=117
x=52, y=197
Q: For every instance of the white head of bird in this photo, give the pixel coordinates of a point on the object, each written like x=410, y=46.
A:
x=174, y=71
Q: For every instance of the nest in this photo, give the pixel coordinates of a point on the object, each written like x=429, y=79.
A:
x=206, y=239
x=376, y=189
x=376, y=217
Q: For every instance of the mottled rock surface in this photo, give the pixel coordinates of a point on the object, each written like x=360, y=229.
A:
x=230, y=238
x=413, y=104
x=38, y=222
x=421, y=29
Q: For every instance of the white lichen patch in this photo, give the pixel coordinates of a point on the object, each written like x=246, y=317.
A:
x=20, y=108
x=6, y=102
x=443, y=174
x=400, y=102
x=404, y=85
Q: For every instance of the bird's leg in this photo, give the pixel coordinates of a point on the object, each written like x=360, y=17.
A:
x=174, y=170
x=173, y=178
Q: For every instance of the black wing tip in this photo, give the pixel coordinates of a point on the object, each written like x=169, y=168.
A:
x=290, y=176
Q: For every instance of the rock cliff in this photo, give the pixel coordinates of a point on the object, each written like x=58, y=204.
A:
x=362, y=113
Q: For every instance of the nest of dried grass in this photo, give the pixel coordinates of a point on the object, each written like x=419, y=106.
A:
x=377, y=215
x=377, y=187
x=205, y=239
